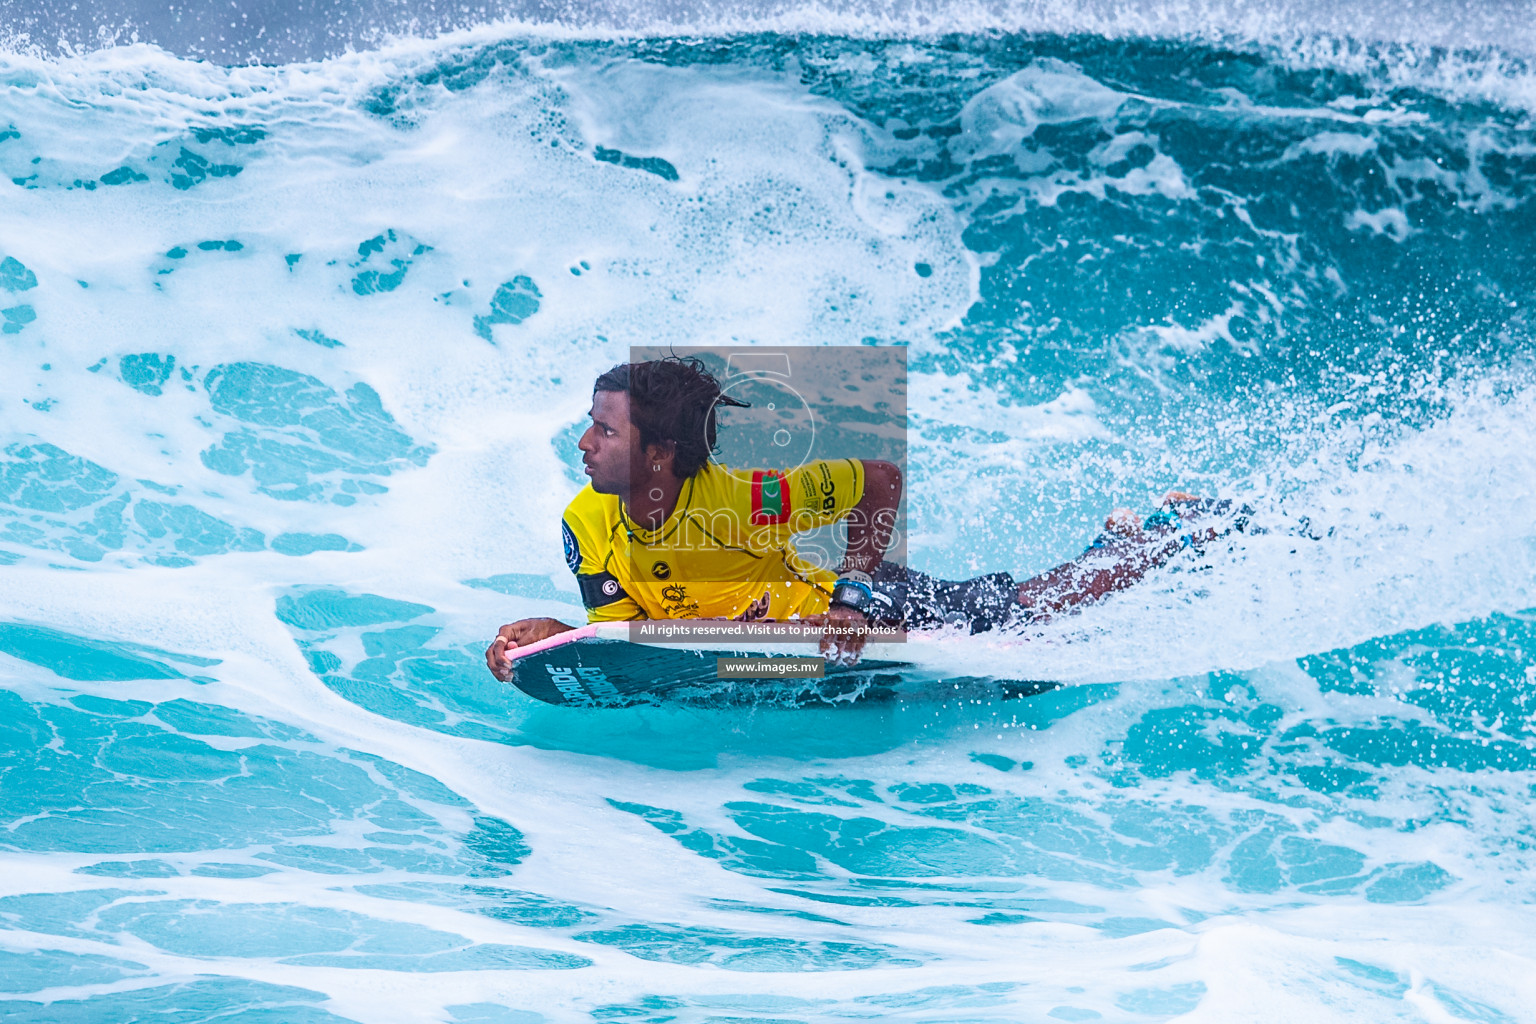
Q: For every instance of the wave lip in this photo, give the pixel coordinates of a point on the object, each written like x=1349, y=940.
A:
x=257, y=31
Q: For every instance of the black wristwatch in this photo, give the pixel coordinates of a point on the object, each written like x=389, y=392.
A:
x=853, y=590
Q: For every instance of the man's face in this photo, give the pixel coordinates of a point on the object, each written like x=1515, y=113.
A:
x=610, y=447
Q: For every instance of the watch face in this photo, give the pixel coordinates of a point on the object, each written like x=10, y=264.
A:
x=852, y=597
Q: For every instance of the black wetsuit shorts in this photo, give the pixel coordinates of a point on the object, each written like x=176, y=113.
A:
x=919, y=601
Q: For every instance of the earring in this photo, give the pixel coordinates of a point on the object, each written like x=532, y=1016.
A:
x=656, y=468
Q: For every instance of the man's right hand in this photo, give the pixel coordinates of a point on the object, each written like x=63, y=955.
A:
x=518, y=634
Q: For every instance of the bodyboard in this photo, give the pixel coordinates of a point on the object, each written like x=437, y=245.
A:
x=598, y=666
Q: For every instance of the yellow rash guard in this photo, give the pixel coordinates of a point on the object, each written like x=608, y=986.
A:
x=726, y=551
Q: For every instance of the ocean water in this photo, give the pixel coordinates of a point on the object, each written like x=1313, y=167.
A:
x=294, y=358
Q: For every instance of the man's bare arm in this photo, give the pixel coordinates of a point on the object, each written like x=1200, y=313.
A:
x=869, y=533
x=870, y=521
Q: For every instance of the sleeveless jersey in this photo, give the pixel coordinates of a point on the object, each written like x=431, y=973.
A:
x=727, y=550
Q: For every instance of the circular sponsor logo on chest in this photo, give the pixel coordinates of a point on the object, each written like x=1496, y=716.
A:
x=661, y=570
x=610, y=587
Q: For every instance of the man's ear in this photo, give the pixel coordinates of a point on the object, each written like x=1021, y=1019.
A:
x=661, y=453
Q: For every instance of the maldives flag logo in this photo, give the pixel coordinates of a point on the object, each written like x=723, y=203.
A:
x=770, y=498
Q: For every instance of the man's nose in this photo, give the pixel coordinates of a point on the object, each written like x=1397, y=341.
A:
x=585, y=444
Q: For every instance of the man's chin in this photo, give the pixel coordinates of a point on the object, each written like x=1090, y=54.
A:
x=602, y=486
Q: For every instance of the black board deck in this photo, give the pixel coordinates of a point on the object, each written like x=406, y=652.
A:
x=597, y=672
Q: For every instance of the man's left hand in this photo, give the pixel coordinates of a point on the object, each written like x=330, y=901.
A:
x=846, y=631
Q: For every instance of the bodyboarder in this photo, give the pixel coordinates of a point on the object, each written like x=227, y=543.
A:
x=664, y=532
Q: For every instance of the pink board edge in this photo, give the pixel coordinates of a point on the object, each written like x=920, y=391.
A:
x=558, y=640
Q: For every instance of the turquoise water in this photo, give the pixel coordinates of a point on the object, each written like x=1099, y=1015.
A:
x=295, y=356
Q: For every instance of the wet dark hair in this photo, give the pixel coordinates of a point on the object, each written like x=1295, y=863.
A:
x=671, y=401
